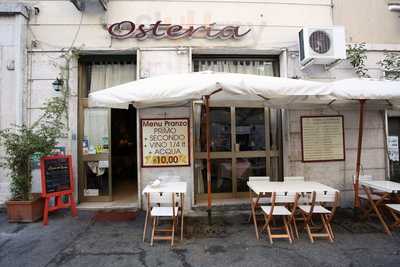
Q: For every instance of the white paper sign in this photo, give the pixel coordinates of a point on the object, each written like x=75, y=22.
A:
x=91, y=192
x=103, y=164
x=165, y=142
x=393, y=148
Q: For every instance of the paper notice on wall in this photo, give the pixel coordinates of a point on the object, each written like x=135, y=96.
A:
x=393, y=148
x=322, y=138
x=165, y=142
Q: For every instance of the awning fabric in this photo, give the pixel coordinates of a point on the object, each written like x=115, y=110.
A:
x=178, y=89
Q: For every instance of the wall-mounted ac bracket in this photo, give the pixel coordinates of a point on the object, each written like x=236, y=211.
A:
x=329, y=66
x=308, y=64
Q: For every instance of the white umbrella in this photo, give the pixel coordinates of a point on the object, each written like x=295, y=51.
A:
x=176, y=89
x=351, y=89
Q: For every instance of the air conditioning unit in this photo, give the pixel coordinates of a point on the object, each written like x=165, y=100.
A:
x=322, y=45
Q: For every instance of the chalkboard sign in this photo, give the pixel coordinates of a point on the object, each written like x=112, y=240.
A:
x=56, y=174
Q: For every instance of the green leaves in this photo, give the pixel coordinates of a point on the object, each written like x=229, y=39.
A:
x=22, y=141
x=391, y=65
x=356, y=54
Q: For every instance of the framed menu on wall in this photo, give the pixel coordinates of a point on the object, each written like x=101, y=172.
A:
x=165, y=142
x=322, y=138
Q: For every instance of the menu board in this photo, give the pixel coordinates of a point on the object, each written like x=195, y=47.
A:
x=56, y=176
x=165, y=142
x=322, y=138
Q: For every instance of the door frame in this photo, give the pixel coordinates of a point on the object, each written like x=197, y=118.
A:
x=83, y=104
x=269, y=153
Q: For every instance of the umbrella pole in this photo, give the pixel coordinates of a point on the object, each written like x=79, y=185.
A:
x=358, y=163
x=207, y=98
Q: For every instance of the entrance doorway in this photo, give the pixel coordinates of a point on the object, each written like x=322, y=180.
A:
x=108, y=159
x=123, y=155
x=106, y=137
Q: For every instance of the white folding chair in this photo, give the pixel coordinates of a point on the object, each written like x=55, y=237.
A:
x=293, y=179
x=281, y=210
x=365, y=193
x=326, y=215
x=361, y=192
x=166, y=207
x=169, y=178
x=395, y=211
x=261, y=199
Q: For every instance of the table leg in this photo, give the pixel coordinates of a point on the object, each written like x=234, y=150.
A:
x=182, y=204
x=375, y=208
x=147, y=215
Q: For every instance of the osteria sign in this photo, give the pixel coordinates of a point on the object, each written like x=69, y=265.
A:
x=165, y=142
x=159, y=30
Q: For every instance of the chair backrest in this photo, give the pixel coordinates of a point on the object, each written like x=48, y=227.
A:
x=284, y=197
x=325, y=196
x=293, y=178
x=363, y=178
x=164, y=199
x=169, y=178
x=259, y=178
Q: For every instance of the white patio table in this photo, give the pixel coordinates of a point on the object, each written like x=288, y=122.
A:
x=387, y=188
x=169, y=187
x=262, y=187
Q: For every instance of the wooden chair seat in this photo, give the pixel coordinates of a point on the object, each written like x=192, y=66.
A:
x=278, y=210
x=262, y=200
x=374, y=197
x=395, y=207
x=317, y=209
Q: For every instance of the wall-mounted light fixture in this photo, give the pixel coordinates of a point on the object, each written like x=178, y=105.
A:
x=57, y=84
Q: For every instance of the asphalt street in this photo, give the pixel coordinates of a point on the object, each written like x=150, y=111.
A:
x=229, y=241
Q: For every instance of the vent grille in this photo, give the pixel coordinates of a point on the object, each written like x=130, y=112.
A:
x=320, y=42
x=301, y=34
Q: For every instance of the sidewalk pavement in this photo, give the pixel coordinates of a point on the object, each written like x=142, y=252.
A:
x=230, y=241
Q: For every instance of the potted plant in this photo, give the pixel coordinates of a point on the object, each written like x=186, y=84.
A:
x=21, y=143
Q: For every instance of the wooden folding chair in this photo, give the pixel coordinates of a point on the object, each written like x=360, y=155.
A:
x=366, y=208
x=326, y=215
x=260, y=199
x=394, y=210
x=167, y=208
x=282, y=211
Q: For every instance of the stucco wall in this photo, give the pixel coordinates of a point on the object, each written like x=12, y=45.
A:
x=274, y=23
x=12, y=76
x=367, y=21
x=59, y=26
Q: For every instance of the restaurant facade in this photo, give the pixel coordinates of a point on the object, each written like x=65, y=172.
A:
x=87, y=46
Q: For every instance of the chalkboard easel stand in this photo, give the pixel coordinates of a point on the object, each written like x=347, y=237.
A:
x=57, y=169
x=59, y=204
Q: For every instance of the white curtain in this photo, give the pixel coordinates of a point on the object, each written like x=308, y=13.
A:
x=257, y=67
x=96, y=119
x=108, y=75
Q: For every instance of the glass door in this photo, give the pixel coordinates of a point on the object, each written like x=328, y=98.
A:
x=240, y=147
x=95, y=154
